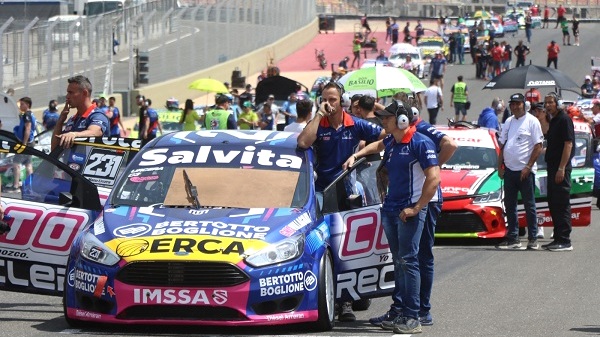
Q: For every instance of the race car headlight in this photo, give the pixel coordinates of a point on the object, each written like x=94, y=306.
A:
x=488, y=197
x=281, y=251
x=94, y=250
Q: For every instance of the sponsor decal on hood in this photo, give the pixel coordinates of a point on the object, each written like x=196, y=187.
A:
x=460, y=183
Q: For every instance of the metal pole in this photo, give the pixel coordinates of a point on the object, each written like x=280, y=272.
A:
x=2, y=29
x=71, y=44
x=164, y=19
x=26, y=33
x=92, y=46
x=49, y=55
x=132, y=25
x=193, y=33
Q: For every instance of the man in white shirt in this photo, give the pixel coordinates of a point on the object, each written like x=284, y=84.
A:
x=304, y=110
x=521, y=141
x=433, y=100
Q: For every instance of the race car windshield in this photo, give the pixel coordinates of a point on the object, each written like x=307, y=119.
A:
x=414, y=56
x=431, y=43
x=472, y=158
x=219, y=179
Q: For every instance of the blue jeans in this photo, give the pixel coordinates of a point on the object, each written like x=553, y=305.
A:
x=512, y=186
x=404, y=239
x=426, y=255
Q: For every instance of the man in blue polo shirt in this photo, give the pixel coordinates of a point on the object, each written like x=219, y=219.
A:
x=89, y=121
x=411, y=162
x=335, y=135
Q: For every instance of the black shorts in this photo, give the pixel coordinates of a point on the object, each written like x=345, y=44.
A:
x=436, y=77
x=565, y=33
x=24, y=159
x=546, y=20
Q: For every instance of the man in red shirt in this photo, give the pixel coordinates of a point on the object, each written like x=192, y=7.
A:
x=497, y=54
x=560, y=15
x=546, y=17
x=553, y=50
x=533, y=96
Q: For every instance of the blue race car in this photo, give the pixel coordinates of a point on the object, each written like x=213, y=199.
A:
x=225, y=228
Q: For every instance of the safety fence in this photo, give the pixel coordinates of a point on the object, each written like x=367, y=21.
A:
x=104, y=47
x=433, y=8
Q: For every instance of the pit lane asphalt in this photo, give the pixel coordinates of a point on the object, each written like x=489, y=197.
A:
x=478, y=290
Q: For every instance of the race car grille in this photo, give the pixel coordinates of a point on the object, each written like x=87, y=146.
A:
x=177, y=312
x=182, y=274
x=459, y=222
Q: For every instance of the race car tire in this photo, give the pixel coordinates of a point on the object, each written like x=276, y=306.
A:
x=361, y=305
x=326, y=285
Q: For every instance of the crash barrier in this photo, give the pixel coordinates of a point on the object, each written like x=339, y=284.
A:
x=206, y=32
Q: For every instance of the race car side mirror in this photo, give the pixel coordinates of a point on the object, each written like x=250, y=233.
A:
x=65, y=199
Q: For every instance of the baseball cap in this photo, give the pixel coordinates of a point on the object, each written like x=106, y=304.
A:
x=271, y=96
x=588, y=77
x=247, y=104
x=539, y=105
x=220, y=99
x=394, y=109
x=517, y=98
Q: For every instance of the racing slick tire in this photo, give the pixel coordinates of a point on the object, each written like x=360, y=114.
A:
x=361, y=305
x=326, y=320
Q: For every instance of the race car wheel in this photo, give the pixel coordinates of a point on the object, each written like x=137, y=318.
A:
x=326, y=286
x=361, y=305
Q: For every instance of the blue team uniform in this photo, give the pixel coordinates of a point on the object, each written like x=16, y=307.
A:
x=92, y=116
x=334, y=147
x=415, y=153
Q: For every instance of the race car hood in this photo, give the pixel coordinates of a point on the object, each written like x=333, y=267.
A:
x=220, y=234
x=457, y=184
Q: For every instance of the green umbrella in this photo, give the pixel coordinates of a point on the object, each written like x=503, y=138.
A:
x=381, y=81
x=209, y=85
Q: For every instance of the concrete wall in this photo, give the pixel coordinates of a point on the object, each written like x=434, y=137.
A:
x=252, y=62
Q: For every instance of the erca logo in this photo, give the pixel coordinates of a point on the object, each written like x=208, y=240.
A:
x=132, y=231
x=132, y=247
x=310, y=280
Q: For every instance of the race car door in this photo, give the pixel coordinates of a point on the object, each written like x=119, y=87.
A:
x=362, y=259
x=54, y=203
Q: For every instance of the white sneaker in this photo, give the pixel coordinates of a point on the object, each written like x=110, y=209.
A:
x=540, y=233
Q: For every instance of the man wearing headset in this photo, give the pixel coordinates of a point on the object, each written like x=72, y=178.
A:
x=413, y=173
x=335, y=135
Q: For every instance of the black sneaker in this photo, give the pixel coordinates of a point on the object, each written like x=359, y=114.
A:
x=387, y=317
x=410, y=326
x=533, y=244
x=549, y=244
x=509, y=244
x=12, y=189
x=389, y=325
x=426, y=320
x=560, y=247
x=346, y=313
